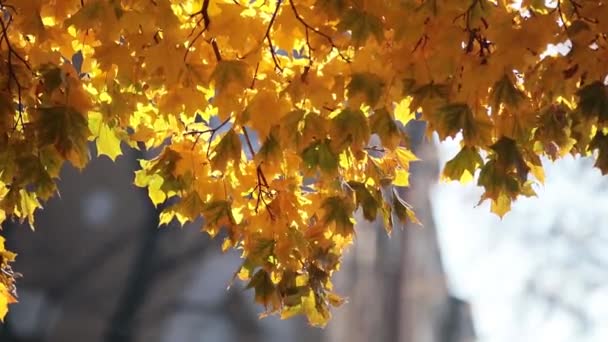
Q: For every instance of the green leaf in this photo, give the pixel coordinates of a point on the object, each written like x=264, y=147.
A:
x=427, y=96
x=403, y=210
x=289, y=129
x=365, y=200
x=509, y=157
x=505, y=92
x=229, y=148
x=86, y=17
x=260, y=251
x=51, y=161
x=593, y=100
x=454, y=117
x=217, y=214
x=368, y=85
x=190, y=207
x=362, y=25
x=270, y=152
x=333, y=7
x=165, y=163
x=501, y=187
x=67, y=130
x=52, y=77
x=314, y=128
x=554, y=129
x=382, y=124
x=339, y=210
x=350, y=128
x=230, y=72
x=409, y=86
x=33, y=172
x=463, y=166
x=320, y=155
x=600, y=142
x=265, y=291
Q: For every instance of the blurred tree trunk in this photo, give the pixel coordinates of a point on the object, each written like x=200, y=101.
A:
x=396, y=285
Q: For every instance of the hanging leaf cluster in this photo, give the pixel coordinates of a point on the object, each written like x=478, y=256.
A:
x=276, y=120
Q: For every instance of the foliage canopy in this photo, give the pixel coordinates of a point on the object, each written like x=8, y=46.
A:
x=276, y=120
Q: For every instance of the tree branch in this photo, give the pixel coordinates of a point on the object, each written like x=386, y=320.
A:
x=12, y=76
x=213, y=131
x=204, y=13
x=267, y=36
x=324, y=35
x=206, y=20
x=263, y=189
x=248, y=140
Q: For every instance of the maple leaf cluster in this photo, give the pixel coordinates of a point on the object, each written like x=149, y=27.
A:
x=276, y=120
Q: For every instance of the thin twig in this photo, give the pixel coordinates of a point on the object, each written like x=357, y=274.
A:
x=204, y=12
x=205, y=19
x=216, y=50
x=263, y=189
x=12, y=76
x=255, y=75
x=273, y=53
x=213, y=131
x=248, y=140
x=307, y=26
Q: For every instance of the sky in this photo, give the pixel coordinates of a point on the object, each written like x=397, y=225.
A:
x=539, y=274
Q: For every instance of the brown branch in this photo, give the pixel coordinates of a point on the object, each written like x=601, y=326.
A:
x=12, y=76
x=216, y=50
x=304, y=75
x=263, y=189
x=466, y=15
x=206, y=20
x=324, y=35
x=575, y=12
x=374, y=148
x=204, y=13
x=248, y=140
x=273, y=53
x=424, y=38
x=255, y=74
x=561, y=13
x=213, y=132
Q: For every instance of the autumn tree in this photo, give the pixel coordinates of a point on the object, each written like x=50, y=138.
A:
x=276, y=120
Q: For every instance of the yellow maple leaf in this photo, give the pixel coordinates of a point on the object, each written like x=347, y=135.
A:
x=6, y=280
x=5, y=299
x=402, y=177
x=402, y=111
x=106, y=138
